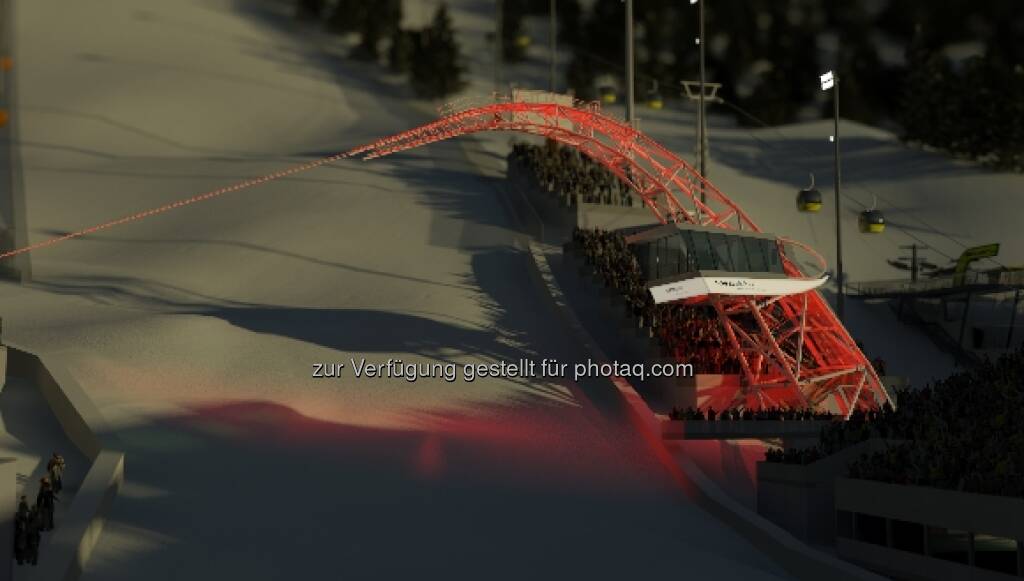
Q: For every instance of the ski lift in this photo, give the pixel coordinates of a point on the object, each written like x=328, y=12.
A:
x=607, y=93
x=809, y=198
x=654, y=100
x=872, y=221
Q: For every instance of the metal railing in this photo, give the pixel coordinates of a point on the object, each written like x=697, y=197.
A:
x=967, y=279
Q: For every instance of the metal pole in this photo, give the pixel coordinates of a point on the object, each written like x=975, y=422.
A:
x=913, y=263
x=963, y=322
x=630, y=113
x=840, y=298
x=498, y=45
x=1013, y=318
x=17, y=220
x=800, y=339
x=554, y=44
x=702, y=122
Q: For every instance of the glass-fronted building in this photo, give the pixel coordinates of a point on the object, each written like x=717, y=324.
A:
x=681, y=261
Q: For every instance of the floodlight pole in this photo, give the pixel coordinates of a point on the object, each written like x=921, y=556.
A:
x=913, y=248
x=630, y=113
x=701, y=131
x=841, y=297
x=554, y=44
x=498, y=45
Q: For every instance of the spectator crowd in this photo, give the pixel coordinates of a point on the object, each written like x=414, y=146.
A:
x=572, y=176
x=688, y=333
x=31, y=521
x=963, y=433
x=766, y=414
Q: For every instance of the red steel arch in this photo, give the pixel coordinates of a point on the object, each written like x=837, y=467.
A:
x=793, y=350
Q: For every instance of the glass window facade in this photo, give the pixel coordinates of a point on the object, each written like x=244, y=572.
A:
x=692, y=251
x=701, y=257
x=738, y=254
x=770, y=248
x=755, y=256
x=720, y=251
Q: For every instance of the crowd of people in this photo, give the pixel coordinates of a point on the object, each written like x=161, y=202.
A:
x=802, y=456
x=689, y=333
x=963, y=433
x=31, y=521
x=572, y=176
x=766, y=414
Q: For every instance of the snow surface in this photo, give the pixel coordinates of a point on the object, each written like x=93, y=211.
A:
x=195, y=331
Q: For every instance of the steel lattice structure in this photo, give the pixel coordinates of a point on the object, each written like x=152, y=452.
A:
x=793, y=350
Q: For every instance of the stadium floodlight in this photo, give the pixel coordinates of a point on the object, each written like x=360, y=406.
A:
x=701, y=119
x=828, y=81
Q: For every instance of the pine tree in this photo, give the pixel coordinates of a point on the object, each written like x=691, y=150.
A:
x=436, y=70
x=347, y=16
x=925, y=103
x=402, y=46
x=512, y=31
x=599, y=48
x=311, y=9
x=378, y=20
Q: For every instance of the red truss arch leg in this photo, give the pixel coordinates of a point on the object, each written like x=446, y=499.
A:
x=792, y=350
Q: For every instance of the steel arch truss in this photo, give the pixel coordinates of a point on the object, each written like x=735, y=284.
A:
x=792, y=350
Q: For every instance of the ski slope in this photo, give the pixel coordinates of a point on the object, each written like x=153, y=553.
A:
x=196, y=331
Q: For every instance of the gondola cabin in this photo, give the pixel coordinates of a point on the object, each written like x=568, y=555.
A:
x=808, y=200
x=872, y=222
x=654, y=100
x=683, y=262
x=607, y=94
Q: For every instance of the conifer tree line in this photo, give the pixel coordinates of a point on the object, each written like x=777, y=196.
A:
x=766, y=55
x=430, y=56
x=568, y=12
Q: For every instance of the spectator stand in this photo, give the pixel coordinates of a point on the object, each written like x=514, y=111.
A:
x=552, y=204
x=916, y=532
x=944, y=498
x=794, y=428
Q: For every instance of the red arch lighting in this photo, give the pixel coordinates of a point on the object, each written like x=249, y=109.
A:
x=793, y=350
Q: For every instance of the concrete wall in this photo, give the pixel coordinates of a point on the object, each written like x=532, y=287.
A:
x=935, y=508
x=801, y=499
x=78, y=416
x=73, y=541
x=911, y=566
x=622, y=337
x=553, y=209
x=738, y=429
x=1002, y=516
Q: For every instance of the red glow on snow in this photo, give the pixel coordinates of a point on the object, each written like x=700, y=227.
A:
x=429, y=460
